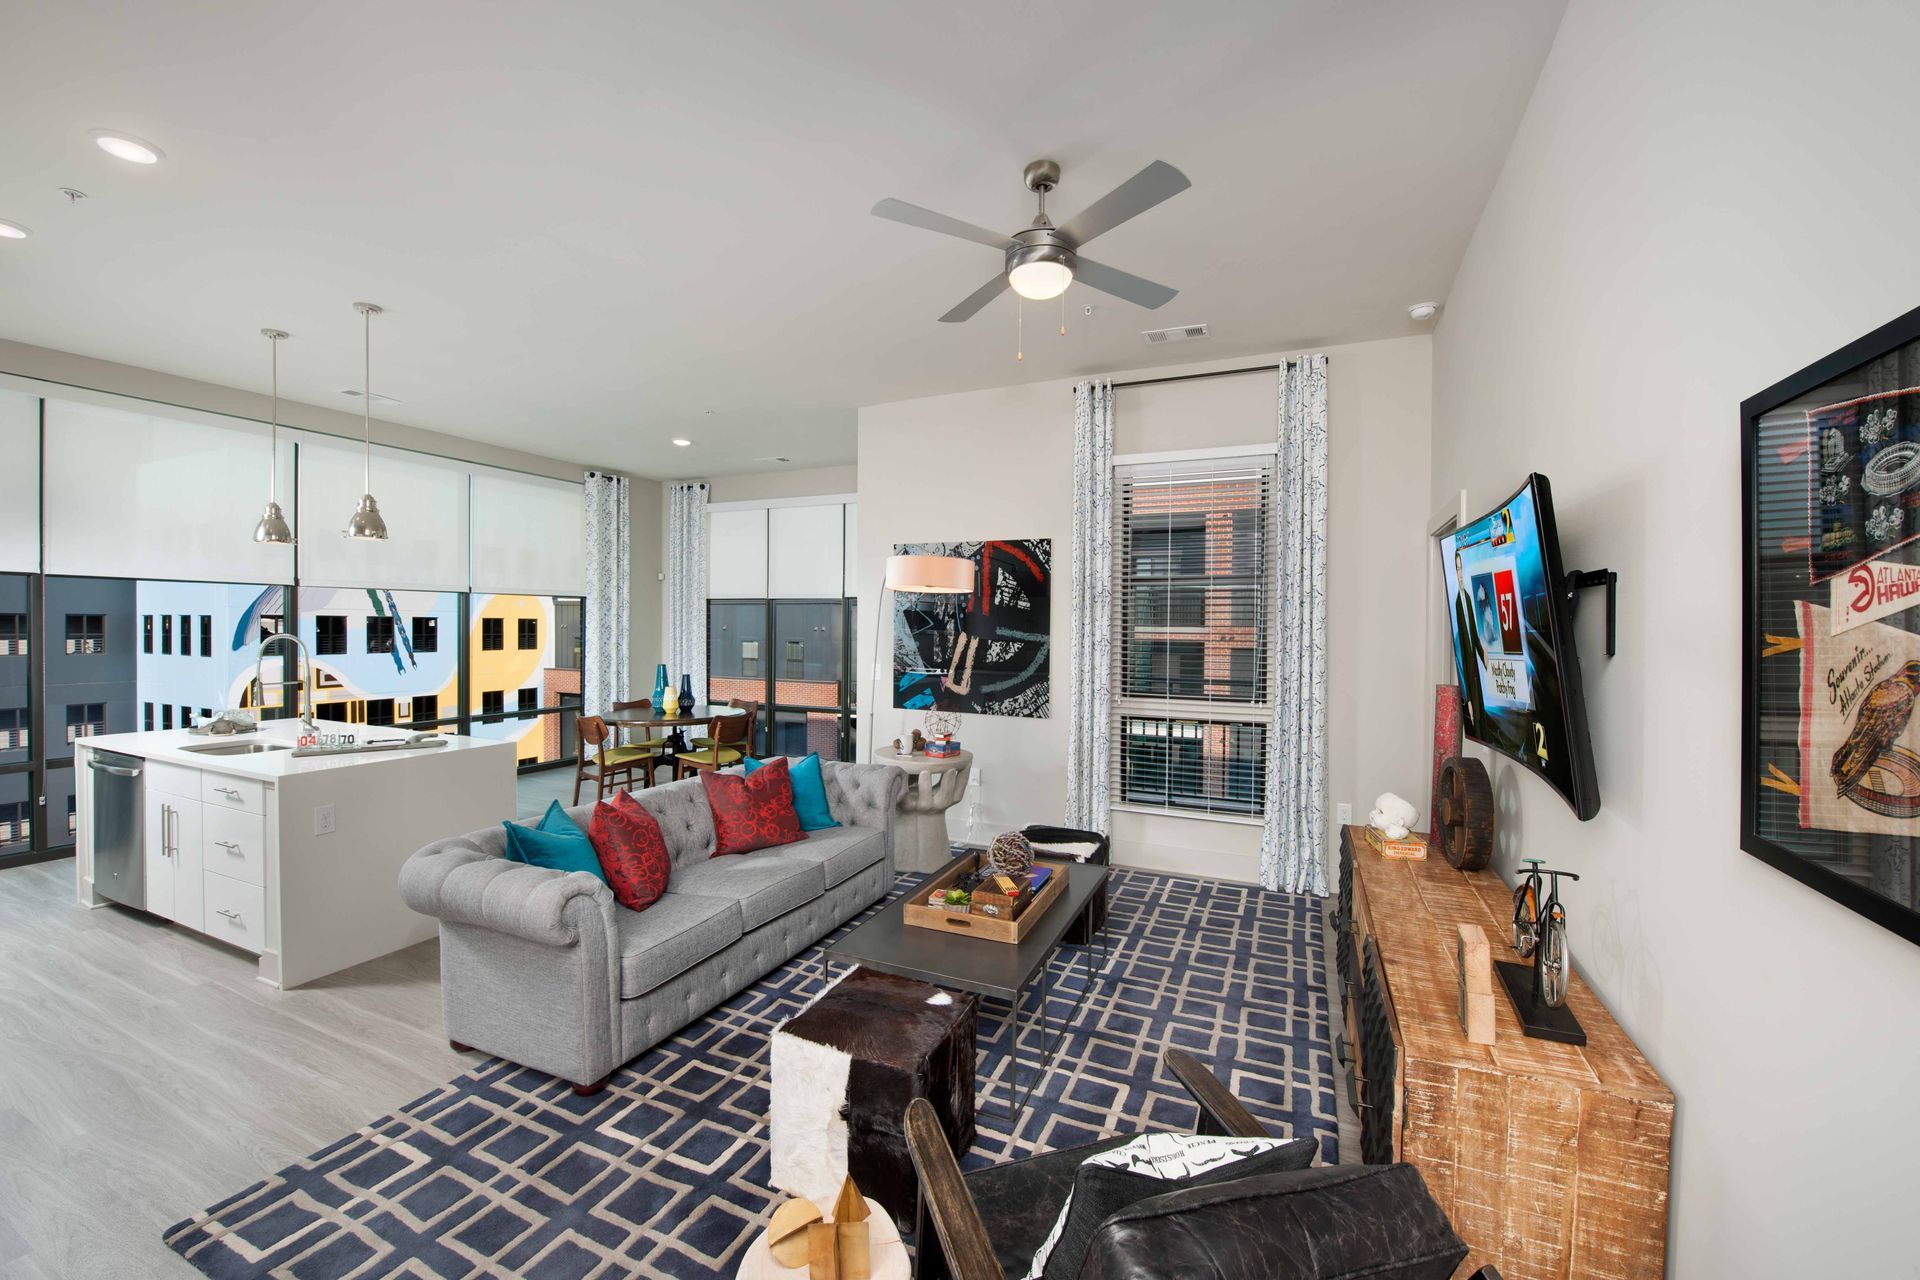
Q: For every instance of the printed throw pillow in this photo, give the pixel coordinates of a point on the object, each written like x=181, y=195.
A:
x=809, y=792
x=752, y=811
x=632, y=851
x=557, y=842
x=1154, y=1164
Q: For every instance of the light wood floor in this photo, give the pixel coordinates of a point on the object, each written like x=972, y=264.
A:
x=146, y=1073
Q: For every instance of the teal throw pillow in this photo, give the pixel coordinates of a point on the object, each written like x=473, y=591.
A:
x=809, y=793
x=558, y=842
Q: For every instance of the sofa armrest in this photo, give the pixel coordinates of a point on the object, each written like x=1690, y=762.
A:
x=456, y=882
x=864, y=795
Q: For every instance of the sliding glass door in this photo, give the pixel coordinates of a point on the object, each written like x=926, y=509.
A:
x=791, y=657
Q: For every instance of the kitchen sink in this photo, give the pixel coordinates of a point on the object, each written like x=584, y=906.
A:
x=235, y=748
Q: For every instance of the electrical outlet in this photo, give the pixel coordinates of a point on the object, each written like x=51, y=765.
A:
x=323, y=820
x=1346, y=815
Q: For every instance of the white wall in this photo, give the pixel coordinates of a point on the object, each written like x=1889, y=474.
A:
x=1705, y=196
x=999, y=464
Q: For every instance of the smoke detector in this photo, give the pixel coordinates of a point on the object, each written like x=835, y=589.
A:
x=1423, y=310
x=1179, y=333
x=377, y=398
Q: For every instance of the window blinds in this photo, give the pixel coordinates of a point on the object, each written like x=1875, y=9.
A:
x=423, y=498
x=1193, y=601
x=529, y=534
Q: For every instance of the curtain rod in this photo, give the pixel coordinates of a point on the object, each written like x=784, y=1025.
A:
x=1189, y=377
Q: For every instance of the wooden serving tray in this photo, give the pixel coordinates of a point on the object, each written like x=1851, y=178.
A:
x=994, y=930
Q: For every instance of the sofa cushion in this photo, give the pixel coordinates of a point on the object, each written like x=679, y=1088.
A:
x=809, y=790
x=632, y=852
x=556, y=842
x=765, y=885
x=674, y=934
x=681, y=810
x=752, y=811
x=842, y=852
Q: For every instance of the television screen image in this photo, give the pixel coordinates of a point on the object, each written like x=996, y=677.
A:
x=1513, y=644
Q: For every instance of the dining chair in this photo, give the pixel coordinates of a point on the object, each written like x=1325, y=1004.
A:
x=610, y=764
x=656, y=748
x=729, y=739
x=705, y=740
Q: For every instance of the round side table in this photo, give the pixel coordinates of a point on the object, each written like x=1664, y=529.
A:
x=938, y=783
x=885, y=1251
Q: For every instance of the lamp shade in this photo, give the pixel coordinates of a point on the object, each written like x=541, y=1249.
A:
x=933, y=575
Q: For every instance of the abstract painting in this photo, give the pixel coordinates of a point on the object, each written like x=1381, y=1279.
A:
x=985, y=653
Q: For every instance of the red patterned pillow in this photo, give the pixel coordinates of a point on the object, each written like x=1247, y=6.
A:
x=632, y=852
x=752, y=812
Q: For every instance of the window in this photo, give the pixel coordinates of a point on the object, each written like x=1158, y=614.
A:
x=15, y=729
x=186, y=635
x=146, y=633
x=796, y=659
x=71, y=822
x=166, y=633
x=206, y=635
x=379, y=635
x=802, y=689
x=529, y=699
x=206, y=714
x=166, y=716
x=186, y=717
x=146, y=717
x=16, y=822
x=329, y=634
x=750, y=657
x=86, y=633
x=13, y=635
x=529, y=633
x=527, y=762
x=333, y=712
x=492, y=702
x=493, y=633
x=1194, y=591
x=379, y=710
x=426, y=635
x=85, y=719
x=426, y=707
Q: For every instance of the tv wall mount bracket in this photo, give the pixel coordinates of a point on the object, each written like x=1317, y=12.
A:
x=1582, y=579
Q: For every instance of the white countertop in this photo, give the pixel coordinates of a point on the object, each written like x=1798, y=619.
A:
x=168, y=745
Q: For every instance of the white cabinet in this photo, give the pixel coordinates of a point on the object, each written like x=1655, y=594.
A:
x=173, y=858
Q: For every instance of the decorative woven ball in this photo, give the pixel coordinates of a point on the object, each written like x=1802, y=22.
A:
x=1010, y=854
x=787, y=1234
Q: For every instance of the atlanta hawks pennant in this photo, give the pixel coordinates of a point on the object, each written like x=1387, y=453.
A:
x=1872, y=590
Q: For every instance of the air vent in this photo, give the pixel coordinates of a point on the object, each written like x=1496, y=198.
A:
x=377, y=397
x=1179, y=333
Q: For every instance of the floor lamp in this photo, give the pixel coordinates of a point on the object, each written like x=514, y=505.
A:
x=914, y=575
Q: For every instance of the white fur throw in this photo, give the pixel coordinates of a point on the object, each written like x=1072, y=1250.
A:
x=808, y=1117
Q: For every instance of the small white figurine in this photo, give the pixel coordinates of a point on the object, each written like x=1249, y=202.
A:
x=1392, y=817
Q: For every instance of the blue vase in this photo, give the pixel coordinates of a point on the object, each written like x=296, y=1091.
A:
x=659, y=684
x=686, y=692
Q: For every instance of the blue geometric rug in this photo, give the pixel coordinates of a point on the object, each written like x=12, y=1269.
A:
x=504, y=1172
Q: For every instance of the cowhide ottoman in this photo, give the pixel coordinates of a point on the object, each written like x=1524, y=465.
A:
x=844, y=1070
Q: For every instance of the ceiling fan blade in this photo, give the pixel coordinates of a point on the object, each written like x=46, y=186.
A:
x=977, y=299
x=1145, y=189
x=1123, y=285
x=927, y=220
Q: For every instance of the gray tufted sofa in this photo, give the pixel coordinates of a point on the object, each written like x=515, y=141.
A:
x=544, y=968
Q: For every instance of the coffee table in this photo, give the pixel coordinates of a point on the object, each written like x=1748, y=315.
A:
x=1001, y=970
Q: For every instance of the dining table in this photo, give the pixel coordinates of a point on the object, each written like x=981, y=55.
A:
x=698, y=715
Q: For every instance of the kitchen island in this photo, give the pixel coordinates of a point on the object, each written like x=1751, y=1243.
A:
x=256, y=841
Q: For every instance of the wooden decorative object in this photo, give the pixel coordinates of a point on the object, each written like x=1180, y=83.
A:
x=1412, y=845
x=1549, y=1159
x=1475, y=959
x=1010, y=854
x=787, y=1233
x=841, y=1249
x=823, y=1252
x=918, y=913
x=1464, y=823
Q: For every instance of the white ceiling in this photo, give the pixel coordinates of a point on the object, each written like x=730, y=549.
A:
x=593, y=223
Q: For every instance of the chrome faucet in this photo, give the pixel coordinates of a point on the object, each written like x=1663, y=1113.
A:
x=305, y=683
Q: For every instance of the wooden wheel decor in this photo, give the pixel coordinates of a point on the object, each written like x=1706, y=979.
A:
x=1464, y=825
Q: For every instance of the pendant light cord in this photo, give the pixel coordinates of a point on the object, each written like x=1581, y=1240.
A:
x=273, y=462
x=366, y=409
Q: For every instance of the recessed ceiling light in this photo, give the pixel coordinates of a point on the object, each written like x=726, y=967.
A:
x=124, y=146
x=13, y=231
x=1423, y=310
x=682, y=442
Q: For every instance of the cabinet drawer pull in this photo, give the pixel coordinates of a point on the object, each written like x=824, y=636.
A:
x=228, y=845
x=231, y=915
x=228, y=792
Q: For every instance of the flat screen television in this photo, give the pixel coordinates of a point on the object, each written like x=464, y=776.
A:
x=1513, y=646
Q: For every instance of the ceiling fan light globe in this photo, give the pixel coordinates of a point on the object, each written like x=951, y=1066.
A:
x=1039, y=280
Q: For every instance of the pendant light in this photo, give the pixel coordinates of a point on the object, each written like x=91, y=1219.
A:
x=273, y=525
x=367, y=524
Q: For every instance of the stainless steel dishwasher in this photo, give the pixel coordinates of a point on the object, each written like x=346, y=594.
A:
x=119, y=846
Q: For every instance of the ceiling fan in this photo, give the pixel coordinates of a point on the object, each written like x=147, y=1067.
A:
x=1042, y=260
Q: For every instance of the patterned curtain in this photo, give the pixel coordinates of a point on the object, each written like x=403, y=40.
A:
x=1090, y=697
x=608, y=532
x=687, y=585
x=1293, y=843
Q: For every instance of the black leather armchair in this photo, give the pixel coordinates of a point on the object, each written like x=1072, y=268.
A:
x=1372, y=1220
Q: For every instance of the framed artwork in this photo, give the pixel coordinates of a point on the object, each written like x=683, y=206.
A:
x=987, y=653
x=1830, y=745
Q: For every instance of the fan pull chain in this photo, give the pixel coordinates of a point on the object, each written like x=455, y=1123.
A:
x=1020, y=331
x=1063, y=313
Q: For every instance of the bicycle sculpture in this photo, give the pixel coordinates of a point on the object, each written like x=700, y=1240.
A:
x=1539, y=990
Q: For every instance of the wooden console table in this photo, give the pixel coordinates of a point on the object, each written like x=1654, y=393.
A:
x=1552, y=1160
